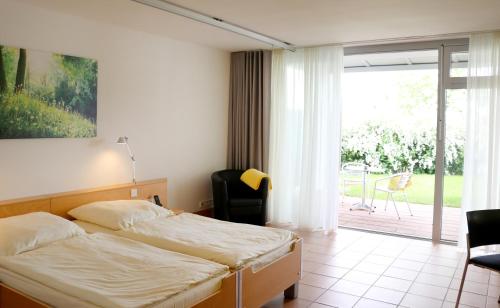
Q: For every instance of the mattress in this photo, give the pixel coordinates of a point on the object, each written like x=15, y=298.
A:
x=108, y=271
x=231, y=244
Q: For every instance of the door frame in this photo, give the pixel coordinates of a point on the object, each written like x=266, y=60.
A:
x=446, y=82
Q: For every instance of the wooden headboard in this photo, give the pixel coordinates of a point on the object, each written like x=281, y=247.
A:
x=60, y=203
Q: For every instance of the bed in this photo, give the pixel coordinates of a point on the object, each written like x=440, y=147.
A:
x=75, y=269
x=246, y=248
x=260, y=277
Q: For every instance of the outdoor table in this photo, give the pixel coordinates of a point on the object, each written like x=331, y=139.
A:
x=362, y=206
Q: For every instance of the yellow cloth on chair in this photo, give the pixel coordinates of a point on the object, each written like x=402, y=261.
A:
x=253, y=177
x=394, y=184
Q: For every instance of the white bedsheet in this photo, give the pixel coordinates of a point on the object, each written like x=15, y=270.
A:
x=232, y=244
x=110, y=271
x=55, y=298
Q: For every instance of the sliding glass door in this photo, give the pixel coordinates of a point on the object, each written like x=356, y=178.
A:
x=404, y=114
x=389, y=127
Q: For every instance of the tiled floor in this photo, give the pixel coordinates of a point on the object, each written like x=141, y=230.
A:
x=419, y=225
x=366, y=270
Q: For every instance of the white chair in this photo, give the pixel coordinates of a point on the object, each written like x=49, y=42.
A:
x=352, y=175
x=390, y=185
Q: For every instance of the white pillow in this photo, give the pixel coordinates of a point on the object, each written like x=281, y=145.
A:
x=118, y=214
x=30, y=231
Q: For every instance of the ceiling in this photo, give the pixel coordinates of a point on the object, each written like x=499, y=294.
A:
x=300, y=22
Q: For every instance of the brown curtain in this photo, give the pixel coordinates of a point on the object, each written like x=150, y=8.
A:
x=249, y=107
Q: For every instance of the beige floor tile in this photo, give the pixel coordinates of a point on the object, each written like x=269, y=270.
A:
x=369, y=303
x=467, y=298
x=438, y=270
x=344, y=270
x=343, y=262
x=474, y=276
x=417, y=301
x=387, y=252
x=452, y=305
x=495, y=280
x=384, y=295
x=493, y=291
x=316, y=257
x=419, y=250
x=470, y=286
x=428, y=290
x=473, y=300
x=435, y=280
x=318, y=281
x=309, y=292
x=331, y=271
x=309, y=266
x=400, y=273
x=351, y=254
x=393, y=283
x=414, y=256
x=372, y=268
x=337, y=299
x=281, y=302
x=322, y=249
x=451, y=296
x=361, y=277
x=453, y=262
x=472, y=268
x=408, y=264
x=379, y=259
x=318, y=305
x=350, y=287
x=492, y=302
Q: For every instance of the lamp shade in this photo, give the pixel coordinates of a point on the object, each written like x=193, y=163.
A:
x=122, y=140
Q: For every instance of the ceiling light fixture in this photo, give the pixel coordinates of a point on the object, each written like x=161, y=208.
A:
x=216, y=22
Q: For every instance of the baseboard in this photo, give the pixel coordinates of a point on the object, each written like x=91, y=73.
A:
x=206, y=212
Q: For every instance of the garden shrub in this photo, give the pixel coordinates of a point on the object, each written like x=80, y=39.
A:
x=393, y=150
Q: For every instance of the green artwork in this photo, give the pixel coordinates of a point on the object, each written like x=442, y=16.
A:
x=46, y=95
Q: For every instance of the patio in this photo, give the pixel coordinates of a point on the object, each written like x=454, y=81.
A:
x=419, y=225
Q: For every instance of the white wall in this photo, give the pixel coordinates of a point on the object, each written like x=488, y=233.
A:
x=169, y=97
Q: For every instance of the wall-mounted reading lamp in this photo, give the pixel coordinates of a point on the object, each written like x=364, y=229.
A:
x=124, y=140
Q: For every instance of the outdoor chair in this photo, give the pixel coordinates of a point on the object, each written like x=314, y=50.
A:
x=483, y=231
x=352, y=175
x=396, y=183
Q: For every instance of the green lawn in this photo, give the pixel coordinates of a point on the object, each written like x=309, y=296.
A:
x=421, y=191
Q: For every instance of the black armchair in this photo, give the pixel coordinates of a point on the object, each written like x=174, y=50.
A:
x=483, y=230
x=235, y=201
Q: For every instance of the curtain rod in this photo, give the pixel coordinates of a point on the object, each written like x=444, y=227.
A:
x=215, y=21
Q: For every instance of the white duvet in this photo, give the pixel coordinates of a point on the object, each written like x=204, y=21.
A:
x=223, y=242
x=110, y=271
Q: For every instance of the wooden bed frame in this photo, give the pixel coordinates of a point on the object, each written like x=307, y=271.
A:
x=282, y=275
x=245, y=288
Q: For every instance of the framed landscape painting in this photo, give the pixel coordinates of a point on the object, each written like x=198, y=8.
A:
x=46, y=95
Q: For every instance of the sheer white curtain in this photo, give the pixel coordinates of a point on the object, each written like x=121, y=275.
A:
x=482, y=148
x=305, y=137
